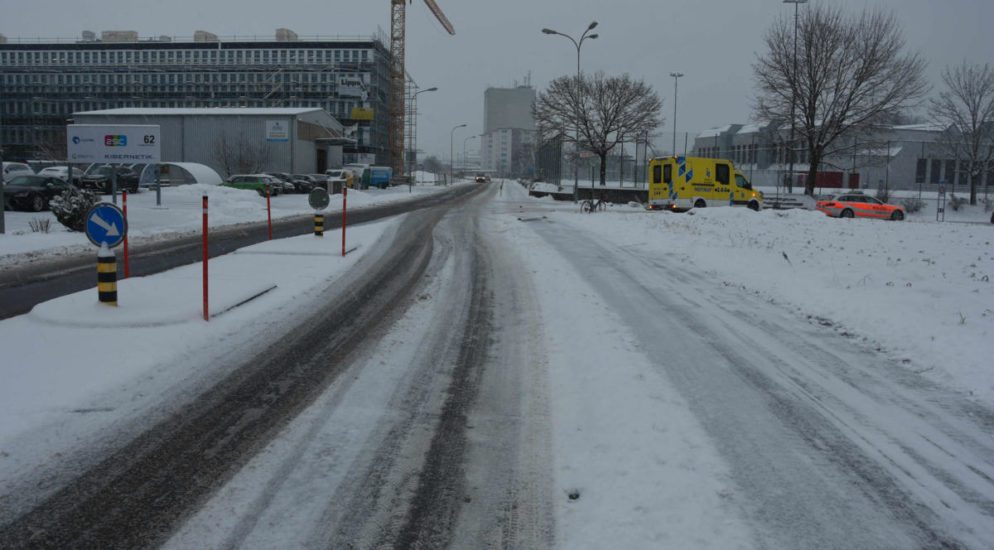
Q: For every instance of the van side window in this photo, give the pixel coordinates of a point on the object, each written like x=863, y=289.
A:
x=656, y=173
x=722, y=174
x=742, y=182
x=668, y=174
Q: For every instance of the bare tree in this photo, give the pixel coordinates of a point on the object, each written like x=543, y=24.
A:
x=237, y=155
x=851, y=75
x=966, y=110
x=607, y=110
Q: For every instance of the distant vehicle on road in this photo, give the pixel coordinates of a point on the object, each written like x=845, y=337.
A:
x=858, y=205
x=482, y=178
x=99, y=179
x=32, y=192
x=260, y=183
x=682, y=183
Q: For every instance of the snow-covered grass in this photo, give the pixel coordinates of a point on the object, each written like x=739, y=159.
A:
x=179, y=214
x=921, y=290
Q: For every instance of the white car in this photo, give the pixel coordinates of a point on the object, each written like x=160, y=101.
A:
x=337, y=179
x=11, y=169
x=60, y=172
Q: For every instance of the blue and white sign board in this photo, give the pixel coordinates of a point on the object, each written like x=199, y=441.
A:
x=105, y=225
x=113, y=143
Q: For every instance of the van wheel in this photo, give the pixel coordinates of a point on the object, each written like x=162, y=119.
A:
x=700, y=204
x=847, y=214
x=754, y=206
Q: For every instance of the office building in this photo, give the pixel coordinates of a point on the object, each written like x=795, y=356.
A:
x=42, y=84
x=507, y=146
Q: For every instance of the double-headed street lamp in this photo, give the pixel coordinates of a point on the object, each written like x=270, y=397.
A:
x=676, y=78
x=414, y=113
x=452, y=160
x=579, y=84
x=793, y=98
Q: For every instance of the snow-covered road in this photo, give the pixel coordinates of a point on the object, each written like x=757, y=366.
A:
x=524, y=381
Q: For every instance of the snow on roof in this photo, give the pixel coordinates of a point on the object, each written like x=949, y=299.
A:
x=926, y=127
x=750, y=129
x=712, y=132
x=201, y=172
x=220, y=111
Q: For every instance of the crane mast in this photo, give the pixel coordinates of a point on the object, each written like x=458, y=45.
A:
x=398, y=16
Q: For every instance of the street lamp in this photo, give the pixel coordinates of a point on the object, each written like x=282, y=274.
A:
x=793, y=98
x=451, y=148
x=676, y=78
x=464, y=149
x=414, y=112
x=578, y=44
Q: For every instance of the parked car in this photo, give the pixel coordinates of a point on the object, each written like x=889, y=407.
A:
x=286, y=180
x=260, y=183
x=858, y=205
x=61, y=173
x=11, y=169
x=339, y=178
x=99, y=179
x=307, y=181
x=32, y=192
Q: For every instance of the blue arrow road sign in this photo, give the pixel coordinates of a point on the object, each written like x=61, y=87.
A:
x=105, y=225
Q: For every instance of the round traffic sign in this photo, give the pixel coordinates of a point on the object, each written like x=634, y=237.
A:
x=318, y=199
x=105, y=225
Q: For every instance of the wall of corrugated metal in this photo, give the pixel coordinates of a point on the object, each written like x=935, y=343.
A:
x=198, y=138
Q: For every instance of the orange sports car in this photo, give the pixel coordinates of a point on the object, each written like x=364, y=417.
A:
x=857, y=205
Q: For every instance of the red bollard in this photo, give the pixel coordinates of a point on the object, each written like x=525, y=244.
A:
x=345, y=216
x=206, y=306
x=127, y=264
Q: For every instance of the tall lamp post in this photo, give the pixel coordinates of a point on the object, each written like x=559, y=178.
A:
x=464, y=149
x=414, y=112
x=452, y=160
x=793, y=99
x=676, y=78
x=578, y=44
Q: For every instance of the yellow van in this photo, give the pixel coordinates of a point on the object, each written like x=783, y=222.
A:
x=682, y=183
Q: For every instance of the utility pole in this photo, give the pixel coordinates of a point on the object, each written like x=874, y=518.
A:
x=793, y=99
x=676, y=78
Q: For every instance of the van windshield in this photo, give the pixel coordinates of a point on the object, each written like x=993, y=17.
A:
x=742, y=182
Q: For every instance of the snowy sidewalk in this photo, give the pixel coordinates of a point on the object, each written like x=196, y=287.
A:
x=71, y=355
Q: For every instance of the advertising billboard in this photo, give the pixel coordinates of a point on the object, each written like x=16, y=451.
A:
x=113, y=143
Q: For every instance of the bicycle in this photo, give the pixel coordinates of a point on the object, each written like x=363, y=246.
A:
x=591, y=205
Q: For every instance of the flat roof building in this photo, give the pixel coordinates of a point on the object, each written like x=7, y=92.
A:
x=239, y=140
x=43, y=84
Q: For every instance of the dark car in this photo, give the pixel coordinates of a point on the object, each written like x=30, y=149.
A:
x=308, y=182
x=32, y=192
x=99, y=179
x=286, y=181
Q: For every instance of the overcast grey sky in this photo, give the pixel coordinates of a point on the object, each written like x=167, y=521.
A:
x=713, y=42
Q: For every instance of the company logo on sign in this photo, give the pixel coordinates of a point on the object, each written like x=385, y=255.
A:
x=119, y=140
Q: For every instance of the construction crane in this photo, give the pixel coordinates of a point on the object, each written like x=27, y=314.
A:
x=398, y=74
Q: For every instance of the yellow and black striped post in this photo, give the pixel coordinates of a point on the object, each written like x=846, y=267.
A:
x=107, y=276
x=318, y=225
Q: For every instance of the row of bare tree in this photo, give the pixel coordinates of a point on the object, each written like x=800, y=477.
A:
x=852, y=75
x=847, y=76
